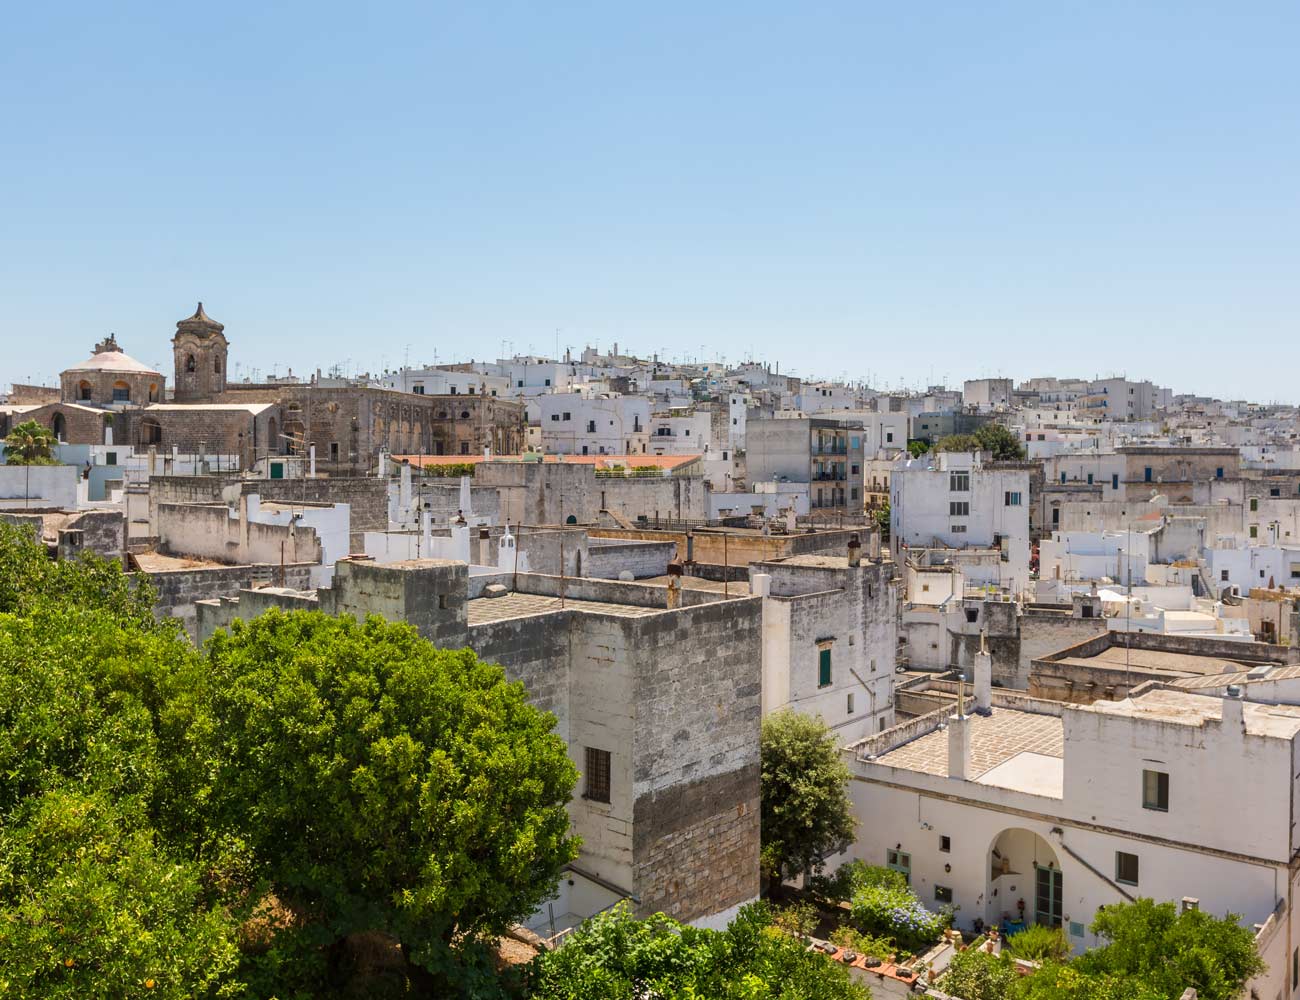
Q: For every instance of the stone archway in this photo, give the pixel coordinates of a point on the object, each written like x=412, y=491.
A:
x=1023, y=867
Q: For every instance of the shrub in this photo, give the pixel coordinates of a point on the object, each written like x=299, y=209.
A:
x=799, y=919
x=850, y=877
x=888, y=911
x=863, y=944
x=977, y=975
x=1039, y=944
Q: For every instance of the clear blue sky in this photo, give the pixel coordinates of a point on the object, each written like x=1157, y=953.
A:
x=910, y=191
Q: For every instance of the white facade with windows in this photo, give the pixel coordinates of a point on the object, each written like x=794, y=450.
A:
x=1043, y=812
x=573, y=424
x=955, y=500
x=443, y=382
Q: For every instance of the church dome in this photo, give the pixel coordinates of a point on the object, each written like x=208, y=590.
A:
x=108, y=357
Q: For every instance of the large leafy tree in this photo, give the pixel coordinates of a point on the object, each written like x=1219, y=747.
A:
x=995, y=439
x=1153, y=943
x=383, y=785
x=30, y=443
x=613, y=956
x=805, y=808
x=98, y=707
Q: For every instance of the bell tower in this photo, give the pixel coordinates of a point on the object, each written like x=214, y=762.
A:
x=200, y=349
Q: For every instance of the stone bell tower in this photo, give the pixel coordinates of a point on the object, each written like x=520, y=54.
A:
x=200, y=350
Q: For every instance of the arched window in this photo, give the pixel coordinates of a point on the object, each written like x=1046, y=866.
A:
x=216, y=366
x=59, y=425
x=121, y=392
x=464, y=414
x=150, y=432
x=153, y=392
x=190, y=364
x=84, y=390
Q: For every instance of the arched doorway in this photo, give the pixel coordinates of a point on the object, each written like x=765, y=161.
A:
x=1023, y=868
x=59, y=424
x=85, y=391
x=571, y=519
x=150, y=432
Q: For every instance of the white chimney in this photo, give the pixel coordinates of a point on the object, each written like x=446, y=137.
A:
x=760, y=585
x=1234, y=718
x=404, y=488
x=983, y=678
x=874, y=549
x=958, y=745
x=311, y=454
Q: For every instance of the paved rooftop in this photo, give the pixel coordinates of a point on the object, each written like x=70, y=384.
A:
x=482, y=610
x=995, y=739
x=1158, y=661
x=1188, y=709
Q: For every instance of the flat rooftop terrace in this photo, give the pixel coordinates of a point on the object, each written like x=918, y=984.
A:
x=483, y=610
x=1188, y=709
x=1158, y=661
x=1023, y=751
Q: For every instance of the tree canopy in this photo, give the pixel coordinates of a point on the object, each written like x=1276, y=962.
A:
x=995, y=439
x=614, y=956
x=30, y=443
x=385, y=785
x=805, y=809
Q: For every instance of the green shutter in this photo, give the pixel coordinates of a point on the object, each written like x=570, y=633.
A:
x=824, y=668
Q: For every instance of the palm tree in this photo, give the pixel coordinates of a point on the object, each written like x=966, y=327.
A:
x=29, y=443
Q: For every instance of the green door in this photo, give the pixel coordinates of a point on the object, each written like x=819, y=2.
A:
x=1047, y=896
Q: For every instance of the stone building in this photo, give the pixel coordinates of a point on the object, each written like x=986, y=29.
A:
x=656, y=691
x=112, y=397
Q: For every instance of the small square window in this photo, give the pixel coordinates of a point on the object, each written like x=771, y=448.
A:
x=1155, y=790
x=1126, y=868
x=942, y=894
x=945, y=843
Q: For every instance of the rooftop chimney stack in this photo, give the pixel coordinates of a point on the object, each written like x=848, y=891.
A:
x=874, y=550
x=855, y=551
x=760, y=585
x=674, y=586
x=983, y=678
x=958, y=745
x=1234, y=716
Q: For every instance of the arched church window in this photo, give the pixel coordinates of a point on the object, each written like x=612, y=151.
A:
x=190, y=364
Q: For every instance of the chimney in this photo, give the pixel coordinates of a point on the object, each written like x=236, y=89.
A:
x=760, y=585
x=874, y=550
x=855, y=551
x=311, y=452
x=426, y=535
x=958, y=745
x=1234, y=719
x=404, y=486
x=484, y=545
x=983, y=678
x=674, y=585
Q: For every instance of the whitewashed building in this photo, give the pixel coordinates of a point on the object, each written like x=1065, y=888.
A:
x=956, y=500
x=1032, y=811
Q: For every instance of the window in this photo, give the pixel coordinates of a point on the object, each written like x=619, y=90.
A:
x=889, y=436
x=849, y=703
x=1275, y=491
x=1155, y=790
x=1254, y=503
x=591, y=427
x=334, y=451
x=824, y=667
x=1223, y=574
x=1126, y=868
x=567, y=415
x=942, y=894
x=1254, y=531
x=1062, y=477
x=957, y=529
x=959, y=482
x=548, y=381
x=418, y=389
x=121, y=392
x=1218, y=473
x=597, y=775
x=1114, y=480
x=1146, y=474
x=519, y=384
x=1012, y=498
x=898, y=860
x=959, y=508
x=464, y=447
x=972, y=615
x=555, y=417
x=110, y=458
x=945, y=843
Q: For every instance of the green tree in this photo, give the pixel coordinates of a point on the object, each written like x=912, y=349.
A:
x=976, y=975
x=918, y=447
x=30, y=443
x=881, y=516
x=1000, y=443
x=1055, y=981
x=958, y=442
x=384, y=785
x=805, y=808
x=1154, y=943
x=614, y=956
x=99, y=708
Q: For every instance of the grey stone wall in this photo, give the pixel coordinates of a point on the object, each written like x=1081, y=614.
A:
x=608, y=558
x=178, y=590
x=698, y=693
